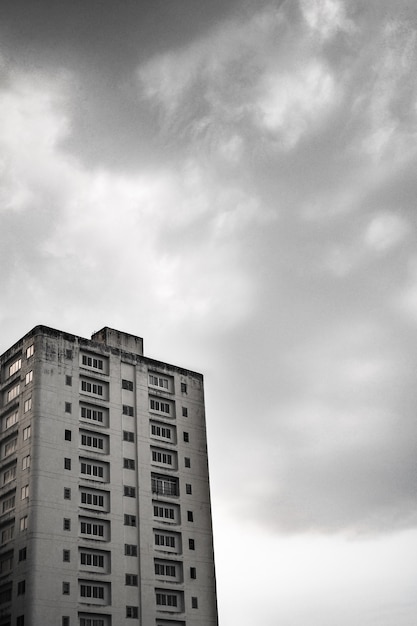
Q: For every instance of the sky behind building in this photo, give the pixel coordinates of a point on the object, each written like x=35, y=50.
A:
x=235, y=182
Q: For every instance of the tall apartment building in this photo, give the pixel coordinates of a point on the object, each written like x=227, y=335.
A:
x=105, y=513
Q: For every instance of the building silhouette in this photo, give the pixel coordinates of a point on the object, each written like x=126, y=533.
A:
x=105, y=515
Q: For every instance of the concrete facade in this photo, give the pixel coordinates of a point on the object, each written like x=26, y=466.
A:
x=105, y=515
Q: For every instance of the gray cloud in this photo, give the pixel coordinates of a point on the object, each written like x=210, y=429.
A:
x=244, y=186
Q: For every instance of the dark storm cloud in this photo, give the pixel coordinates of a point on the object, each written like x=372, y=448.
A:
x=253, y=173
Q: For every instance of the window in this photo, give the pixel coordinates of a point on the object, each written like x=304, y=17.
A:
x=92, y=470
x=191, y=544
x=158, y=381
x=68, y=381
x=29, y=377
x=88, y=528
x=183, y=387
x=188, y=489
x=8, y=504
x=129, y=491
x=8, y=533
x=128, y=436
x=68, y=355
x=166, y=599
x=190, y=516
x=164, y=540
x=22, y=554
x=67, y=464
x=26, y=462
x=30, y=351
x=165, y=512
x=93, y=388
x=26, y=433
x=68, y=407
x=162, y=407
x=24, y=492
x=161, y=457
x=161, y=431
x=65, y=588
x=187, y=461
x=165, y=486
x=65, y=620
x=164, y=569
x=94, y=499
x=131, y=550
x=20, y=620
x=9, y=474
x=129, y=520
x=15, y=367
x=131, y=580
x=92, y=442
x=13, y=392
x=93, y=362
x=67, y=493
x=11, y=420
x=184, y=411
x=68, y=435
x=129, y=464
x=10, y=447
x=92, y=591
x=132, y=611
x=92, y=414
x=66, y=556
x=194, y=602
x=23, y=523
x=127, y=384
x=128, y=410
x=27, y=405
x=186, y=437
x=67, y=523
x=21, y=587
x=193, y=573
x=87, y=621
x=92, y=560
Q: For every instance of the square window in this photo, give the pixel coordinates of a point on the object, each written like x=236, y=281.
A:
x=67, y=435
x=65, y=620
x=68, y=407
x=128, y=435
x=132, y=611
x=190, y=516
x=184, y=411
x=131, y=549
x=67, y=523
x=66, y=556
x=191, y=544
x=187, y=461
x=188, y=489
x=67, y=464
x=131, y=580
x=186, y=437
x=65, y=588
x=68, y=380
x=129, y=491
x=67, y=493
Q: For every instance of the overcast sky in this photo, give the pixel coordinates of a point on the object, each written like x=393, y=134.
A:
x=235, y=181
